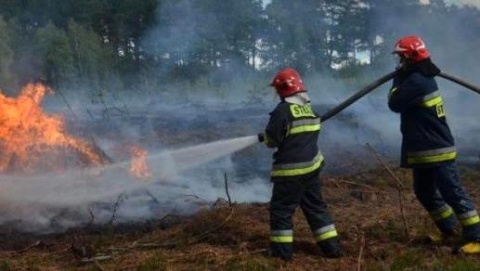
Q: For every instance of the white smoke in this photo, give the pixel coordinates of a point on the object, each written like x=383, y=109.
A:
x=55, y=202
x=178, y=184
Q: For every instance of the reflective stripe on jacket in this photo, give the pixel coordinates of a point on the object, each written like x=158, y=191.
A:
x=293, y=129
x=426, y=137
x=296, y=169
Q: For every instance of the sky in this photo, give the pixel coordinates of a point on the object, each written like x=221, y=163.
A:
x=475, y=3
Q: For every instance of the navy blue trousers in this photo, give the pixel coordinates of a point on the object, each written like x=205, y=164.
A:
x=304, y=192
x=440, y=192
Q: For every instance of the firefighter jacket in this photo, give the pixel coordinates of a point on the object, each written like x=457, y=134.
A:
x=293, y=129
x=426, y=137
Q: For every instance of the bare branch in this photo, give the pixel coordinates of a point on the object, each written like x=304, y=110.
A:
x=115, y=208
x=92, y=217
x=226, y=190
x=400, y=187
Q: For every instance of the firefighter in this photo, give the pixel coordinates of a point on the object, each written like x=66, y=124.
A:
x=293, y=129
x=428, y=146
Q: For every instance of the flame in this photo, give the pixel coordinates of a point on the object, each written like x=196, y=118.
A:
x=27, y=134
x=139, y=165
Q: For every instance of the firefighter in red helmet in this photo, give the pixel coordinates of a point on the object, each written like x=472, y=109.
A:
x=411, y=49
x=428, y=145
x=293, y=129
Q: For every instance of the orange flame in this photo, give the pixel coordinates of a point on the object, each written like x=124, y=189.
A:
x=139, y=165
x=26, y=133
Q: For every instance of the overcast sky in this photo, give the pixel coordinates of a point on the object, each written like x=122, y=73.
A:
x=457, y=2
x=475, y=3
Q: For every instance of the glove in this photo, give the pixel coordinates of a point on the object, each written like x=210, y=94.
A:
x=261, y=137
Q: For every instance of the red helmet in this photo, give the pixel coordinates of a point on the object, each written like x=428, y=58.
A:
x=412, y=48
x=287, y=82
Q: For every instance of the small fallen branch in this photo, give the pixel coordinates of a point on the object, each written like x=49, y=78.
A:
x=195, y=196
x=96, y=259
x=360, y=254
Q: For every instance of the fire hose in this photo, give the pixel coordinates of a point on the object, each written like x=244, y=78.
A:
x=460, y=82
x=369, y=88
x=357, y=96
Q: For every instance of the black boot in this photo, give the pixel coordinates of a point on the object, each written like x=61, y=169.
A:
x=282, y=251
x=331, y=248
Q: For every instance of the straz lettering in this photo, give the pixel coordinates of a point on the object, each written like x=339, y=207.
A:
x=302, y=111
x=440, y=110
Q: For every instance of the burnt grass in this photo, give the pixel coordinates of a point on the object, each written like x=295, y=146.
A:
x=364, y=201
x=366, y=208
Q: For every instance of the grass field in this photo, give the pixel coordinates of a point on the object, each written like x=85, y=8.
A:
x=378, y=232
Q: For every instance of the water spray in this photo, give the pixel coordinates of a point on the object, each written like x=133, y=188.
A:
x=81, y=190
x=73, y=197
x=189, y=157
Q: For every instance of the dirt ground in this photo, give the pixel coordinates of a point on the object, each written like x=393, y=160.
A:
x=382, y=227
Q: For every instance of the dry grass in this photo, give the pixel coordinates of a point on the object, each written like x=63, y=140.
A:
x=365, y=208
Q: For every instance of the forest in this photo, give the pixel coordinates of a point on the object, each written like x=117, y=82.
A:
x=146, y=46
x=63, y=210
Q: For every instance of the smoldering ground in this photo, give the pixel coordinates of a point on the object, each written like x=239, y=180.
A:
x=184, y=116
x=178, y=182
x=184, y=179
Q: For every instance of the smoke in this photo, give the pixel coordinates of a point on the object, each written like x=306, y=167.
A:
x=369, y=120
x=181, y=182
x=181, y=118
x=451, y=44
